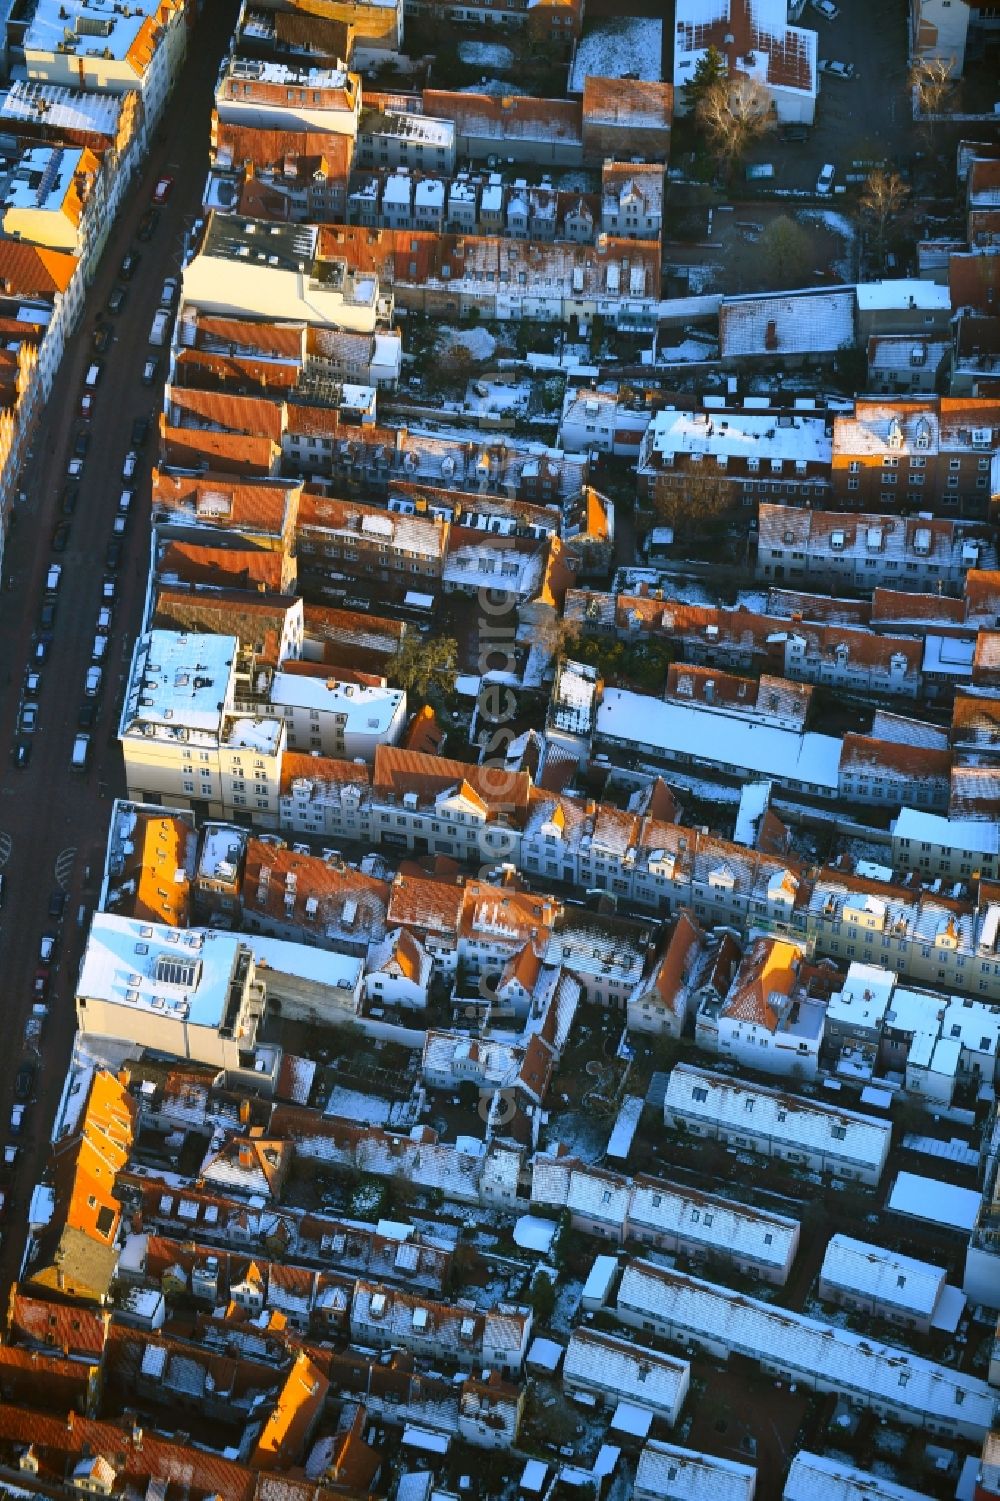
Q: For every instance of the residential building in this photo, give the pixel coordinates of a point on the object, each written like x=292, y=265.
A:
x=144, y=46
x=928, y=453
x=336, y=717
x=907, y=364
x=903, y=306
x=794, y=1129
x=938, y=847
x=767, y=1020
x=183, y=739
x=821, y=1357
x=884, y=773
x=756, y=40
x=616, y=1370
x=746, y=454
x=828, y=548
x=882, y=1284
x=818, y=1477
x=193, y=995
x=806, y=327
x=414, y=141
x=382, y=1316
x=668, y=1473
x=632, y=200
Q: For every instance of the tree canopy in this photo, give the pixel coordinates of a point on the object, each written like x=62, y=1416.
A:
x=425, y=667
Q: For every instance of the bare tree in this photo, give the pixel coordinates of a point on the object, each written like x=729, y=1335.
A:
x=883, y=202
x=933, y=84
x=783, y=255
x=733, y=112
x=695, y=501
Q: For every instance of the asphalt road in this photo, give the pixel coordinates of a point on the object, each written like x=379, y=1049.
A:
x=53, y=821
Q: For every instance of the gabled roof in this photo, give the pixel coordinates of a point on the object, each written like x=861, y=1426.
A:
x=283, y=1437
x=767, y=974
x=28, y=268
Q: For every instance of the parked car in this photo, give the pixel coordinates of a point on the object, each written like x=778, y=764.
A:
x=17, y=1119
x=47, y=615
x=109, y=589
x=104, y=619
x=24, y=1083
x=150, y=371
x=75, y=468
x=60, y=536
x=99, y=648
x=41, y=985
x=20, y=753
x=32, y=683
x=834, y=69
x=125, y=500
x=47, y=947
x=140, y=431
x=81, y=753
x=27, y=719
x=53, y=578
x=86, y=407
x=826, y=8
x=163, y=189
x=130, y=464
x=169, y=294
x=116, y=300
x=795, y=135
x=86, y=715
x=81, y=445
x=129, y=265
x=92, y=682
x=57, y=904
x=103, y=338
x=94, y=372
x=824, y=182
x=147, y=226
x=68, y=500
x=113, y=554
x=41, y=647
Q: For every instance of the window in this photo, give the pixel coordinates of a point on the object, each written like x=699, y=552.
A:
x=839, y=1133
x=699, y=1094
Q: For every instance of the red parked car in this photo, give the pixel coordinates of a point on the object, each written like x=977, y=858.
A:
x=163, y=189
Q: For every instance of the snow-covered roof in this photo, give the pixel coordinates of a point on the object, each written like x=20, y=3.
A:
x=699, y=731
x=816, y=1477
x=674, y=1474
x=864, y=998
x=979, y=836
x=787, y=323
x=935, y=1200
x=180, y=681
x=889, y=1278
x=182, y=975
x=365, y=708
x=918, y=1390
x=903, y=293
x=731, y=1103
x=648, y=1377
x=744, y=435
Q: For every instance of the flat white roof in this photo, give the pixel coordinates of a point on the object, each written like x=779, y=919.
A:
x=933, y=1199
x=903, y=293
x=142, y=966
x=326, y=967
x=744, y=435
x=87, y=28
x=977, y=835
x=42, y=178
x=60, y=108
x=369, y=709
x=864, y=998
x=696, y=730
x=180, y=682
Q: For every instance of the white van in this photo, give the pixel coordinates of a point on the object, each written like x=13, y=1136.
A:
x=81, y=752
x=99, y=648
x=92, y=376
x=52, y=578
x=158, y=332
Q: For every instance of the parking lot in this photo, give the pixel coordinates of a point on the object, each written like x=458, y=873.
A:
x=861, y=119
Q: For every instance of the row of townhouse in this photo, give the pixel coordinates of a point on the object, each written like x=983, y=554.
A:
x=670, y=1217
x=891, y=1382
x=630, y=204
x=925, y=453
x=232, y=436
x=828, y=549
x=483, y=1411
x=838, y=653
x=382, y=1317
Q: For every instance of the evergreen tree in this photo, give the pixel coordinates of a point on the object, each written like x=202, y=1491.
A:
x=710, y=69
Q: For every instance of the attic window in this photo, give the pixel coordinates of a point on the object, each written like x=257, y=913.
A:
x=768, y=1239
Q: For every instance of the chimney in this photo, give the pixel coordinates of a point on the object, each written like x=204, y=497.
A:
x=771, y=335
x=246, y=1157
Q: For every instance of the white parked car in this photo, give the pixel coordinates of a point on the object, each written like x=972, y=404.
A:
x=834, y=69
x=824, y=182
x=826, y=8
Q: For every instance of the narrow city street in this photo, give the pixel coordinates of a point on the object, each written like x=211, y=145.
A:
x=53, y=820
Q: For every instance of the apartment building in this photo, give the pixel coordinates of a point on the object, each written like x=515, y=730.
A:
x=750, y=455
x=402, y=140
x=906, y=364
x=243, y=265
x=817, y=1477
x=932, y=453
x=183, y=739
x=85, y=44
x=283, y=96
x=792, y=329
x=335, y=539
x=382, y=1316
x=767, y=1019
x=756, y=40
x=326, y=713
x=885, y=773
x=790, y=1127
x=632, y=200
x=939, y=847
x=193, y=994
x=693, y=970
x=829, y=549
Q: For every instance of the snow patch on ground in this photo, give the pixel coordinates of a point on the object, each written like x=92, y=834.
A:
x=352, y=1105
x=618, y=46
x=485, y=54
x=477, y=341
x=498, y=86
x=840, y=226
x=689, y=350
